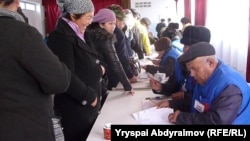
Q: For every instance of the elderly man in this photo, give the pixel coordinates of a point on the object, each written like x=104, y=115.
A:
x=221, y=94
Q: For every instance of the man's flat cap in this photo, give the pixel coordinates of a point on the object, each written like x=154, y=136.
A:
x=197, y=50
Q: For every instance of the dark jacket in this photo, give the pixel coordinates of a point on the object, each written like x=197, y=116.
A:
x=75, y=105
x=30, y=74
x=122, y=53
x=136, y=42
x=103, y=42
x=158, y=28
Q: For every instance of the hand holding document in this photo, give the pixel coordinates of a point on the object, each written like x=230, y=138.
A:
x=161, y=77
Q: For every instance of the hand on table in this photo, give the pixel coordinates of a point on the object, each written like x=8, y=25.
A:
x=173, y=116
x=163, y=104
x=133, y=79
x=144, y=67
x=156, y=62
x=154, y=84
x=177, y=95
x=132, y=92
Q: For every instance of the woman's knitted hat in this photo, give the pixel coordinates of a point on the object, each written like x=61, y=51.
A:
x=75, y=6
x=104, y=15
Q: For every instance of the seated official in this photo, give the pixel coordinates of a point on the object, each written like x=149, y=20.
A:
x=165, y=62
x=217, y=98
x=180, y=84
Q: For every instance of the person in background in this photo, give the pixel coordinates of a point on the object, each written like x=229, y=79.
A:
x=99, y=35
x=145, y=22
x=172, y=34
x=121, y=48
x=159, y=26
x=169, y=20
x=168, y=57
x=185, y=23
x=30, y=75
x=217, y=98
x=175, y=26
x=127, y=30
x=129, y=23
x=80, y=104
x=136, y=42
x=180, y=84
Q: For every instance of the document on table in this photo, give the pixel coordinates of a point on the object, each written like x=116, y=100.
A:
x=152, y=101
x=153, y=115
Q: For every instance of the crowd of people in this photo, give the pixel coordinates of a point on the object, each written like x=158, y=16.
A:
x=87, y=55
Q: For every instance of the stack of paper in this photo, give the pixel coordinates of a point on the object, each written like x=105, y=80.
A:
x=153, y=115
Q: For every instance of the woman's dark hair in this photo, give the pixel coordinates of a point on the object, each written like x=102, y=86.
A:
x=6, y=2
x=170, y=33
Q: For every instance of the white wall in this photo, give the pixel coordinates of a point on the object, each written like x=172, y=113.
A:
x=36, y=18
x=160, y=9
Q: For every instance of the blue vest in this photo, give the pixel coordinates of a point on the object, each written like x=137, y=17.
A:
x=171, y=53
x=188, y=81
x=218, y=81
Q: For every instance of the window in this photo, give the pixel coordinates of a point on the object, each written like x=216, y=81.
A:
x=229, y=31
x=28, y=6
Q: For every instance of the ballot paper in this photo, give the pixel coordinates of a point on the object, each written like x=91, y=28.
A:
x=153, y=115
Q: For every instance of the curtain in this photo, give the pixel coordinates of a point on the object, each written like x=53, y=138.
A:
x=51, y=14
x=248, y=55
x=187, y=8
x=229, y=27
x=200, y=12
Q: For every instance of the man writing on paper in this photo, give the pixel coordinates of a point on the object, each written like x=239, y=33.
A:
x=180, y=81
x=221, y=94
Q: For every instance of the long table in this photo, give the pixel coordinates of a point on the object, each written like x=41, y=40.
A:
x=118, y=109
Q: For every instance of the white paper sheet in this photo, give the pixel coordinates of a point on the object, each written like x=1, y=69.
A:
x=153, y=115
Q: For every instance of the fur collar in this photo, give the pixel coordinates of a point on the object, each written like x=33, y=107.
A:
x=94, y=30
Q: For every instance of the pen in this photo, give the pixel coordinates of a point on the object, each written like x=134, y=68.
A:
x=153, y=98
x=158, y=98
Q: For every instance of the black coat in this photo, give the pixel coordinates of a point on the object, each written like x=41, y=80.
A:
x=122, y=53
x=75, y=105
x=29, y=74
x=103, y=42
